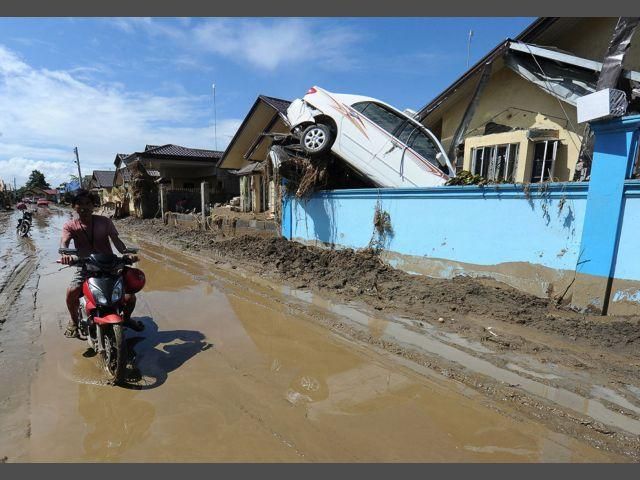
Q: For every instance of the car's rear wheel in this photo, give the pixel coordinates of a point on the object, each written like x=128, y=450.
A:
x=317, y=139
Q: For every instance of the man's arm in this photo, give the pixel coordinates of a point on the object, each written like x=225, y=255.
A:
x=65, y=241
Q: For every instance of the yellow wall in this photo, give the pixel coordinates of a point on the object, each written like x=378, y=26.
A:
x=510, y=100
x=526, y=149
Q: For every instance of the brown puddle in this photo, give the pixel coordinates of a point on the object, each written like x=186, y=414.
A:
x=229, y=374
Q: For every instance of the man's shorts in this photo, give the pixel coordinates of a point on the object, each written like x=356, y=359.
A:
x=78, y=279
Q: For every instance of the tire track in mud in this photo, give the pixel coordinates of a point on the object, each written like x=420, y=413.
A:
x=14, y=283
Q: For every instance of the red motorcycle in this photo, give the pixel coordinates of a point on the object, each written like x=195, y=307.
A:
x=109, y=277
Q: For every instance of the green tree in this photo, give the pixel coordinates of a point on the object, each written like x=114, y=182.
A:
x=36, y=179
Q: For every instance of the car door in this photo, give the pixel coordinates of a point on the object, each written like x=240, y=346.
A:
x=392, y=154
x=368, y=127
x=420, y=164
x=355, y=132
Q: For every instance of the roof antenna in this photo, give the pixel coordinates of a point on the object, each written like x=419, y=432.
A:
x=469, y=47
x=215, y=120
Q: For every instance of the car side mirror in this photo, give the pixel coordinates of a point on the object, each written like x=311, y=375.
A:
x=440, y=159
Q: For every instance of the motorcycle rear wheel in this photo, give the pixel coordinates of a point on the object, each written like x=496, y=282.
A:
x=114, y=354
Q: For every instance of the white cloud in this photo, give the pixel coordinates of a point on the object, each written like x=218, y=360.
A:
x=20, y=168
x=45, y=113
x=265, y=44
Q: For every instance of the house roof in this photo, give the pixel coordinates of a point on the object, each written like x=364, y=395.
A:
x=50, y=191
x=104, y=178
x=178, y=151
x=253, y=167
x=266, y=115
x=120, y=158
x=279, y=104
x=124, y=173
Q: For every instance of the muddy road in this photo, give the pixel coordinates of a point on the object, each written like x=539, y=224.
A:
x=235, y=366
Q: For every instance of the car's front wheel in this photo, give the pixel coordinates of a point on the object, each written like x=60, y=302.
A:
x=317, y=139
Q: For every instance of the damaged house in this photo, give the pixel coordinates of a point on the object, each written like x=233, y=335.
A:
x=102, y=184
x=178, y=173
x=512, y=116
x=248, y=151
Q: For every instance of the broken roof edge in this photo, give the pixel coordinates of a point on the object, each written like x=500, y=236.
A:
x=567, y=58
x=260, y=98
x=276, y=103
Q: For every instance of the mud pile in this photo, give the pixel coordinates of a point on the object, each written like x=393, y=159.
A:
x=361, y=275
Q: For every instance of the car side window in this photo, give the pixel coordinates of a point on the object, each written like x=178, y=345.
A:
x=381, y=116
x=406, y=132
x=425, y=146
x=360, y=106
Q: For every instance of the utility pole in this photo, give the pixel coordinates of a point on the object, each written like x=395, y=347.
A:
x=469, y=47
x=77, y=162
x=215, y=120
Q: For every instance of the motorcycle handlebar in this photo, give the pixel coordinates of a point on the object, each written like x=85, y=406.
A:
x=75, y=260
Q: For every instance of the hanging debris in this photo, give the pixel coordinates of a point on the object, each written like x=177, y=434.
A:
x=467, y=178
x=305, y=175
x=144, y=191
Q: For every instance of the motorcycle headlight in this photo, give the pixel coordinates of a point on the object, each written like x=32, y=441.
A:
x=98, y=296
x=116, y=295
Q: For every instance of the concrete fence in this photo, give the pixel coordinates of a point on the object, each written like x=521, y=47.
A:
x=574, y=241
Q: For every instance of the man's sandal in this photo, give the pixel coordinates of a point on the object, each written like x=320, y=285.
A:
x=71, y=331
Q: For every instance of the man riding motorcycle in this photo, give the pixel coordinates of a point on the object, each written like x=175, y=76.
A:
x=90, y=234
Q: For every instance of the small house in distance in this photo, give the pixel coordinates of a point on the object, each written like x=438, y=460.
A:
x=179, y=171
x=246, y=155
x=102, y=184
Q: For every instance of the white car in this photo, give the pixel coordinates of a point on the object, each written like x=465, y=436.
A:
x=388, y=146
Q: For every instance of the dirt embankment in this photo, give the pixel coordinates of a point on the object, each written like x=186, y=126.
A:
x=361, y=275
x=519, y=330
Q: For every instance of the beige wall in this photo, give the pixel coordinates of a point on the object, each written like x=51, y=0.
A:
x=590, y=37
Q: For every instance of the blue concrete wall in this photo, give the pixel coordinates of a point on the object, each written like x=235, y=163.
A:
x=627, y=261
x=477, y=225
x=589, y=231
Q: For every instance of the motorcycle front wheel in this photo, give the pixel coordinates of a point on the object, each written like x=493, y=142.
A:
x=23, y=229
x=114, y=354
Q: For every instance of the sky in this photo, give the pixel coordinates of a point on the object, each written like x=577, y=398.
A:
x=113, y=85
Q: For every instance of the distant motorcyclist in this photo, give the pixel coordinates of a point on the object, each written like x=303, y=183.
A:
x=90, y=234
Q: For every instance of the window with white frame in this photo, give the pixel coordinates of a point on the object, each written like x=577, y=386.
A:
x=495, y=162
x=544, y=160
